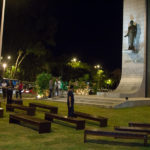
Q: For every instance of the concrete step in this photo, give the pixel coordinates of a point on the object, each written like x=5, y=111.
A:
x=107, y=102
x=98, y=102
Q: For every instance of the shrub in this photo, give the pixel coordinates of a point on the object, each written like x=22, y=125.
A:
x=42, y=82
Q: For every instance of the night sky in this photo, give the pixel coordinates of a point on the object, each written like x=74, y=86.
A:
x=92, y=30
x=88, y=29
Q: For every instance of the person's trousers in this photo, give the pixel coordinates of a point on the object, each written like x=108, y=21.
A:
x=4, y=93
x=20, y=94
x=9, y=96
x=71, y=111
x=50, y=93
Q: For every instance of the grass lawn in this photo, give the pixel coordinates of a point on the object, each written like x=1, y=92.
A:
x=65, y=137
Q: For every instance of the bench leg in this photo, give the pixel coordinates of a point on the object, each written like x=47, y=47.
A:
x=80, y=126
x=9, y=109
x=1, y=113
x=12, y=120
x=48, y=118
x=54, y=111
x=31, y=112
x=84, y=137
x=103, y=123
x=145, y=141
x=45, y=128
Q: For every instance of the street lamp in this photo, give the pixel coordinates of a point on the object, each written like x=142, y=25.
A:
x=74, y=59
x=108, y=82
x=2, y=26
x=9, y=57
x=97, y=66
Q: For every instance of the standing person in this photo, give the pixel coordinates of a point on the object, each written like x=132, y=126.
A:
x=70, y=101
x=4, y=89
x=10, y=87
x=50, y=88
x=59, y=87
x=56, y=87
x=19, y=90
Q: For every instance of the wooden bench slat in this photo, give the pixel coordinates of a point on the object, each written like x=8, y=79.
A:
x=133, y=129
x=52, y=109
x=11, y=107
x=44, y=126
x=138, y=124
x=102, y=120
x=117, y=134
x=14, y=101
x=80, y=124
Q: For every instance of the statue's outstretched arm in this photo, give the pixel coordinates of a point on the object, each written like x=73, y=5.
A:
x=127, y=33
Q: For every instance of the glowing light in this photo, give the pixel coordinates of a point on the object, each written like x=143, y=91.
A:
x=97, y=66
x=9, y=57
x=39, y=96
x=109, y=81
x=4, y=65
x=74, y=59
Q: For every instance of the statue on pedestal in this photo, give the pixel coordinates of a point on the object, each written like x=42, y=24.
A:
x=132, y=30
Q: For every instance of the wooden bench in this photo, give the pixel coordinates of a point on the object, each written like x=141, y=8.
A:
x=80, y=124
x=102, y=120
x=20, y=102
x=117, y=134
x=30, y=110
x=1, y=112
x=136, y=124
x=43, y=125
x=133, y=129
x=52, y=109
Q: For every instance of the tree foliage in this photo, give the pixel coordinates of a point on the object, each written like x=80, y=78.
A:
x=42, y=82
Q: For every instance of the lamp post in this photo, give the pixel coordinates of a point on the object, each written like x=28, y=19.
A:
x=2, y=27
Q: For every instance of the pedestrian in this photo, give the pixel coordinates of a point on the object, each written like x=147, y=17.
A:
x=50, y=88
x=19, y=90
x=4, y=89
x=56, y=87
x=10, y=88
x=59, y=87
x=70, y=101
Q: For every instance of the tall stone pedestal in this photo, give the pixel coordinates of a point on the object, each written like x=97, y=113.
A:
x=133, y=78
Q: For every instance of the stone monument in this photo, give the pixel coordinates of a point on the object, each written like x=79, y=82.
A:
x=135, y=77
